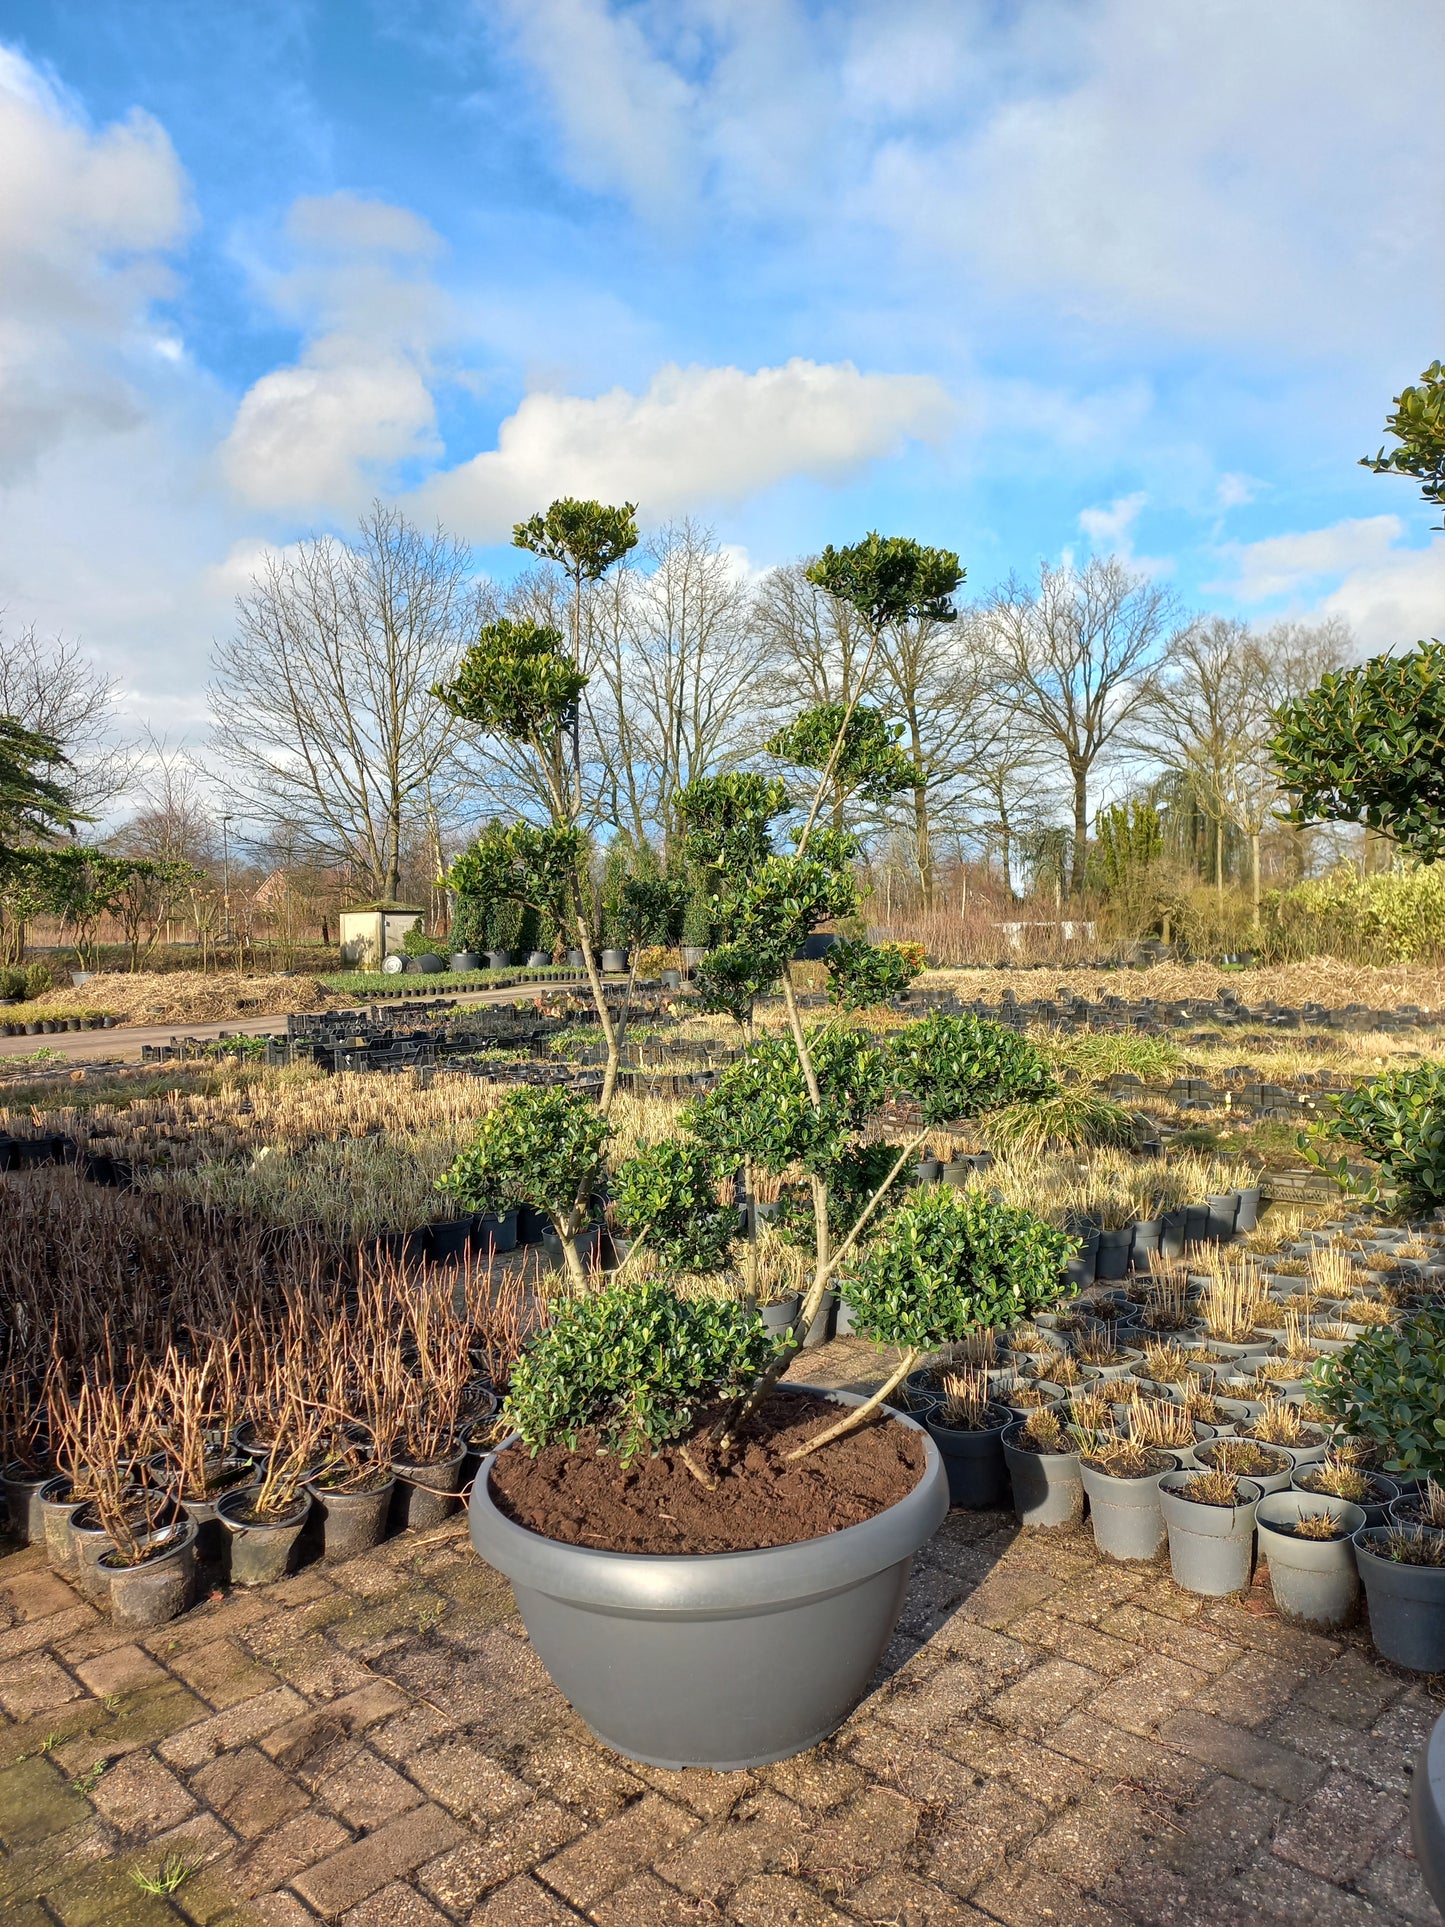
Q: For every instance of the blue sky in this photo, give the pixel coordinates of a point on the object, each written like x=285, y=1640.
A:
x=1025, y=279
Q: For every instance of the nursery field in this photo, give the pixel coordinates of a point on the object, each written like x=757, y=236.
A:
x=257, y=1335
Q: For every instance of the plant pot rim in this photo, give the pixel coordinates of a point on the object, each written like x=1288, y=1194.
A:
x=1134, y=1478
x=282, y=1521
x=715, y=1582
x=1246, y=1487
x=159, y=1546
x=936, y=1424
x=401, y=1466
x=383, y=1481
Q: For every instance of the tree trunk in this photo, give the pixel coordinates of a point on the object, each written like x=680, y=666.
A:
x=1081, y=833
x=1219, y=856
x=1254, y=872
x=923, y=848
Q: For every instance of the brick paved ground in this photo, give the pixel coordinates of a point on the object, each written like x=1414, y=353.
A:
x=1056, y=1740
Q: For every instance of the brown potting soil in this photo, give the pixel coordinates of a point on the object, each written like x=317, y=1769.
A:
x=584, y=1498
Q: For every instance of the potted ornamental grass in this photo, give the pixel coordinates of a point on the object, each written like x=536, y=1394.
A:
x=710, y=1560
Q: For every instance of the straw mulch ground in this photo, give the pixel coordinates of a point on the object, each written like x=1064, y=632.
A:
x=1323, y=980
x=194, y=996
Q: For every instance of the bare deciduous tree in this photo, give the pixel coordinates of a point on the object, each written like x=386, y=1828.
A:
x=52, y=688
x=323, y=702
x=1080, y=651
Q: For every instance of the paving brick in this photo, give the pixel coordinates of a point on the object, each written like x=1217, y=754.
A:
x=32, y=1634
x=1007, y=1594
x=762, y=1831
x=1382, y=1762
x=297, y=1740
x=899, y=1899
x=1252, y=1691
x=277, y=1910
x=36, y=1594
x=395, y=1849
x=248, y=1792
x=140, y=1796
x=121, y=1669
x=1086, y=1842
x=622, y=1846
x=319, y=1669
x=1248, y=1756
x=973, y=1837
x=522, y=1903
x=817, y=1780
x=580, y=1776
x=1072, y=1639
x=35, y=1685
x=876, y=1829
x=458, y=1878
x=643, y=1902
x=1045, y=1696
x=1338, y=1828
x=468, y=1780
x=367, y=1791
x=237, y=1726
x=1023, y=1897
x=1270, y=1891
x=1147, y=1693
x=773, y=1900
x=395, y=1906
x=263, y=1866
x=36, y=1801
x=222, y=1673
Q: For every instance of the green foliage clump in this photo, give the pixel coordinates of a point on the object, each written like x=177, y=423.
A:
x=862, y=975
x=1368, y=746
x=1397, y=1121
x=538, y=1147
x=668, y=1194
x=727, y=821
x=961, y=1067
x=852, y=1179
x=760, y=1109
x=1392, y=916
x=868, y=761
x=1418, y=424
x=952, y=1263
x=730, y=979
x=1389, y=1387
x=517, y=680
x=417, y=943
x=635, y=1364
x=890, y=579
x=1066, y=1120
x=1129, y=837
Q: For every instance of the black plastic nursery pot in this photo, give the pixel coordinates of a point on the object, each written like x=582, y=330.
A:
x=261, y=1548
x=1407, y=1604
x=974, y=1461
x=352, y=1521
x=160, y=1586
x=1113, y=1252
x=425, y=1495
x=22, y=1500
x=718, y=1660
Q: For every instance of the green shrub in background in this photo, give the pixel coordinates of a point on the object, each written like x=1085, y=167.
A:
x=1389, y=1387
x=1394, y=916
x=636, y=1364
x=1397, y=1122
x=1077, y=1119
x=960, y=1067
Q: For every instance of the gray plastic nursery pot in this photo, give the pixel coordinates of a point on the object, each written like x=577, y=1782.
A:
x=260, y=1549
x=974, y=1461
x=1312, y=1579
x=821, y=1329
x=1211, y=1547
x=1407, y=1605
x=721, y=1660
x=58, y=1509
x=159, y=1588
x=1047, y=1489
x=425, y=1495
x=1279, y=1480
x=1125, y=1513
x=1427, y=1812
x=1375, y=1509
x=22, y=1499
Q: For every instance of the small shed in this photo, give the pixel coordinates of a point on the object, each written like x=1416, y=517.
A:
x=371, y=931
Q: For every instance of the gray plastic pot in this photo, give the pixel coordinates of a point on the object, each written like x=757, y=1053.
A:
x=1211, y=1547
x=1407, y=1605
x=778, y=1316
x=1376, y=1511
x=614, y=962
x=1427, y=1812
x=161, y=1586
x=1047, y=1489
x=1313, y=1579
x=260, y=1550
x=721, y=1660
x=1279, y=1480
x=464, y=960
x=351, y=1522
x=1125, y=1513
x=1247, y=1218
x=1112, y=1253
x=974, y=1461
x=821, y=1329
x=425, y=1495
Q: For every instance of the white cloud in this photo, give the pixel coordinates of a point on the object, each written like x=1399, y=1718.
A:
x=1396, y=600
x=328, y=431
x=696, y=437
x=86, y=219
x=1234, y=491
x=1287, y=564
x=1112, y=527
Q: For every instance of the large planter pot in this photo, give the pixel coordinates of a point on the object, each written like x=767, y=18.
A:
x=462, y=960
x=1407, y=1605
x=161, y=1586
x=498, y=959
x=1113, y=1252
x=1047, y=1489
x=260, y=1549
x=352, y=1522
x=1313, y=1579
x=1147, y=1234
x=1125, y=1513
x=1376, y=1508
x=576, y=960
x=614, y=962
x=974, y=1461
x=1427, y=1812
x=539, y=959
x=493, y=1235
x=727, y=1660
x=1223, y=1209
x=450, y=1241
x=425, y=1495
x=1211, y=1547
x=1080, y=1270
